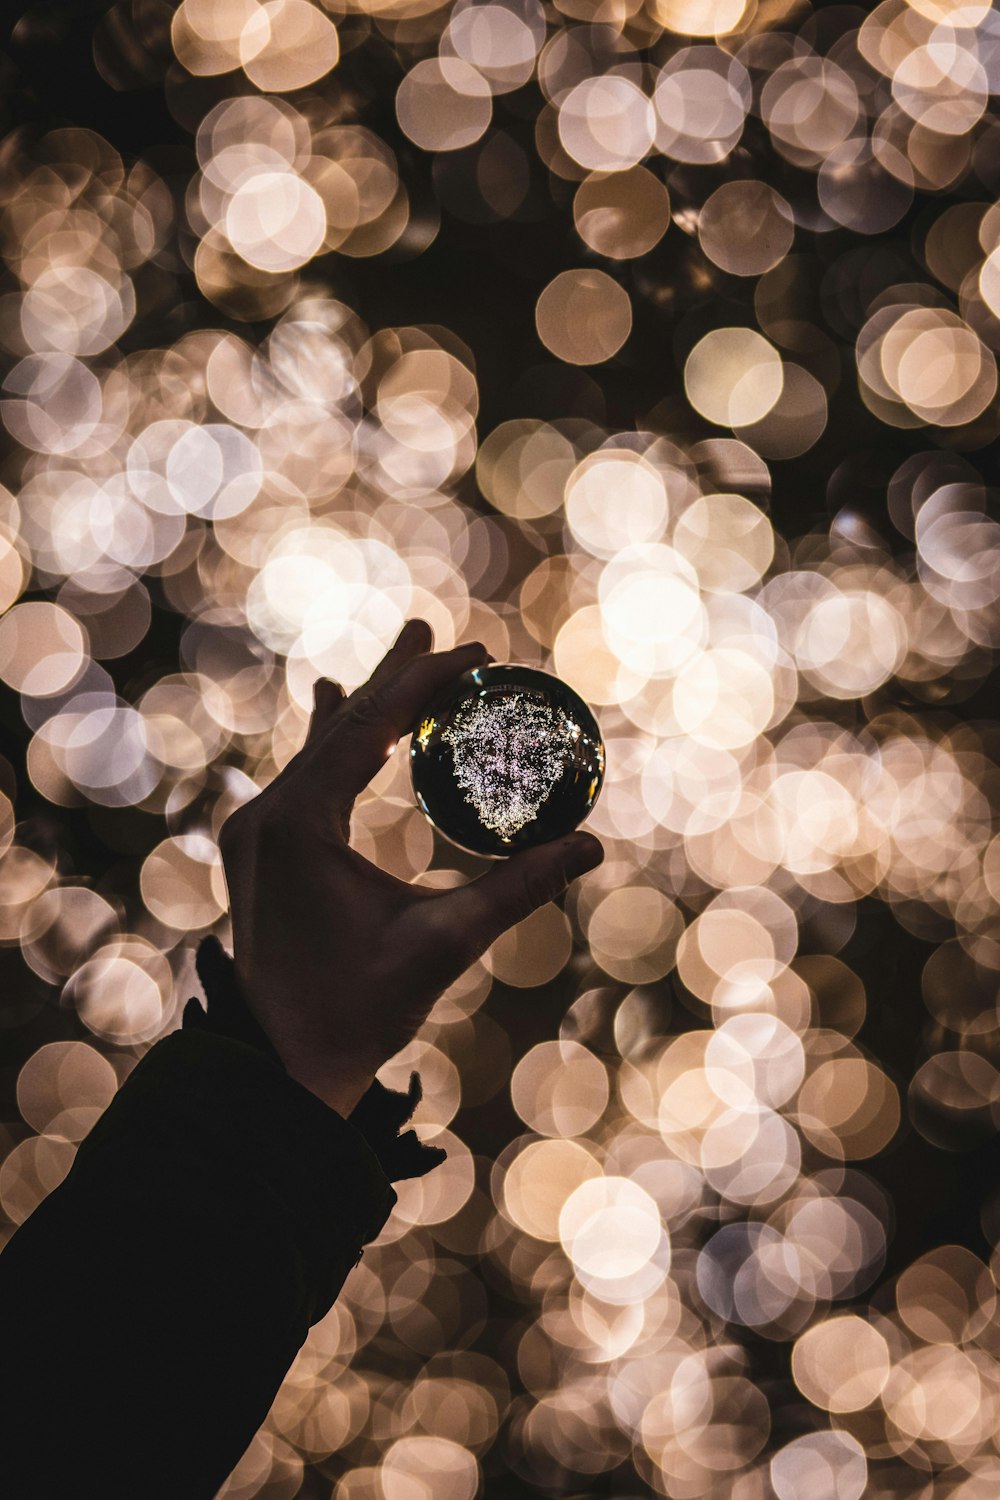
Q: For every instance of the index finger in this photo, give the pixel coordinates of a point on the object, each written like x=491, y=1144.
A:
x=366, y=732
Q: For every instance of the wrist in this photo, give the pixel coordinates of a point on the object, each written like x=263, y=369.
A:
x=339, y=1088
x=339, y=1078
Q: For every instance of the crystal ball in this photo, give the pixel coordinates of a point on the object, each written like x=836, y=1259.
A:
x=507, y=757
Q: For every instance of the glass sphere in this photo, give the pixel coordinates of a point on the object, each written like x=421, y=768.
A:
x=507, y=757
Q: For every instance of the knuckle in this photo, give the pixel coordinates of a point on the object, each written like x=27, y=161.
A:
x=368, y=710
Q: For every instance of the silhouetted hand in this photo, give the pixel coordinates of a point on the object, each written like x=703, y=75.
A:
x=339, y=961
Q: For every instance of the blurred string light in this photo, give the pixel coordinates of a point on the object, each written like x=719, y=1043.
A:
x=293, y=485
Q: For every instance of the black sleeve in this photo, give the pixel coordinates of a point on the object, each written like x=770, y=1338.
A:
x=151, y=1305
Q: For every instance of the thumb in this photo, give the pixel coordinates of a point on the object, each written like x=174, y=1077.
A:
x=511, y=891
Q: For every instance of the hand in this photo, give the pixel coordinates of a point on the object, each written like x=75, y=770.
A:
x=339, y=961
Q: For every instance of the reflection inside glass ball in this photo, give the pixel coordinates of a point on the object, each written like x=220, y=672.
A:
x=508, y=757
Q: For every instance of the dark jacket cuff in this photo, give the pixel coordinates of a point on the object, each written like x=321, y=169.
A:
x=378, y=1116
x=213, y=1101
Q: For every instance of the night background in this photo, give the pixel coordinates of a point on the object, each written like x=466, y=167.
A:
x=653, y=344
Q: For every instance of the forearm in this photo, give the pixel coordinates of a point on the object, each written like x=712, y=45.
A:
x=153, y=1303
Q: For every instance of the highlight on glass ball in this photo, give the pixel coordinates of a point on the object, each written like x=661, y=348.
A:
x=508, y=757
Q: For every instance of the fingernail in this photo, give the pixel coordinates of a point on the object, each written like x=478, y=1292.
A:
x=476, y=646
x=583, y=852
